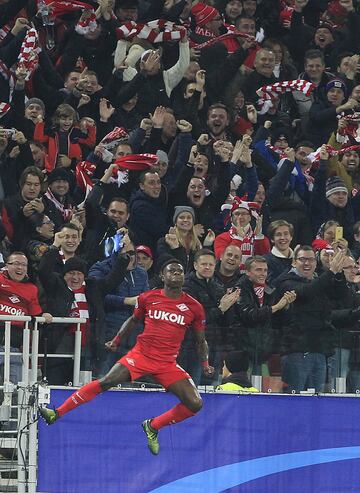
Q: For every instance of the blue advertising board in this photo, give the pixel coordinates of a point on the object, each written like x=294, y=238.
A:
x=237, y=443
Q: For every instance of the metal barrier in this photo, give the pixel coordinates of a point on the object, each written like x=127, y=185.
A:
x=27, y=423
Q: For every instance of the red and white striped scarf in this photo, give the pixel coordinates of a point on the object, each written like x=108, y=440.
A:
x=315, y=156
x=4, y=108
x=4, y=31
x=83, y=172
x=351, y=131
x=80, y=309
x=88, y=25
x=271, y=91
x=29, y=52
x=65, y=211
x=113, y=138
x=151, y=31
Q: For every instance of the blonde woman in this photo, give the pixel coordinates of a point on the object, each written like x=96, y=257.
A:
x=182, y=240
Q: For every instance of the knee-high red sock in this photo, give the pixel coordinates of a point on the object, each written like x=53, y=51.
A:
x=174, y=415
x=81, y=396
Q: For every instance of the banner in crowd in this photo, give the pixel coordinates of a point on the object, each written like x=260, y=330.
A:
x=246, y=443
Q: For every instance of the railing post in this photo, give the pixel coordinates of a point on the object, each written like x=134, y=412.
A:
x=26, y=354
x=34, y=353
x=77, y=356
x=7, y=351
x=22, y=435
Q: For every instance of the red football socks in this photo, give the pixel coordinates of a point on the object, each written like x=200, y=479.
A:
x=81, y=396
x=174, y=415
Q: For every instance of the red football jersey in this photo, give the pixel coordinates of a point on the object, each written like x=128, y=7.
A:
x=18, y=298
x=165, y=322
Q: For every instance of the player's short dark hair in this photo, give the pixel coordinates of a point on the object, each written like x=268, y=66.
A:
x=168, y=261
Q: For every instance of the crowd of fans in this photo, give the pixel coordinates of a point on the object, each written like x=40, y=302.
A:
x=222, y=133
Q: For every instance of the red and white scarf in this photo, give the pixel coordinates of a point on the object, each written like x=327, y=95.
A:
x=80, y=309
x=113, y=138
x=157, y=31
x=65, y=211
x=29, y=52
x=88, y=25
x=315, y=156
x=61, y=7
x=83, y=172
x=268, y=93
x=4, y=108
x=4, y=31
x=259, y=290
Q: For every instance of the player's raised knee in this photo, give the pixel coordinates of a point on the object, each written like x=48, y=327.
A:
x=195, y=404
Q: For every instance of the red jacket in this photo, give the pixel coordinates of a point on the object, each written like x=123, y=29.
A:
x=75, y=138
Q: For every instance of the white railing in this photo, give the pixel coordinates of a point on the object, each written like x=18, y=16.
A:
x=27, y=441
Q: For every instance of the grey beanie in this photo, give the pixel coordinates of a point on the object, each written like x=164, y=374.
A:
x=183, y=208
x=162, y=156
x=35, y=101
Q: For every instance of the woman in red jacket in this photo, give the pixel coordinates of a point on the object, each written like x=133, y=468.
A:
x=65, y=137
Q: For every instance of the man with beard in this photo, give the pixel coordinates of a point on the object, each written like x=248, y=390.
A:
x=218, y=121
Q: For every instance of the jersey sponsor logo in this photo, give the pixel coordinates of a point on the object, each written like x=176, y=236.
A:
x=14, y=299
x=5, y=285
x=10, y=310
x=182, y=307
x=130, y=361
x=156, y=302
x=168, y=317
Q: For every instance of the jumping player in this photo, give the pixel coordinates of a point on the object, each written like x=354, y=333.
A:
x=167, y=314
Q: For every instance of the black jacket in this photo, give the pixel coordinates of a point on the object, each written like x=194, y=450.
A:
x=209, y=293
x=255, y=330
x=310, y=328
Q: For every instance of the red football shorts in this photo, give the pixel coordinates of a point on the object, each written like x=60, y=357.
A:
x=166, y=373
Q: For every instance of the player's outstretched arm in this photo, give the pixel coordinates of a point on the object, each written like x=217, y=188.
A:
x=127, y=327
x=203, y=352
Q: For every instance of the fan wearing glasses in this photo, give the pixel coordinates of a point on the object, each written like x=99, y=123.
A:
x=308, y=336
x=19, y=297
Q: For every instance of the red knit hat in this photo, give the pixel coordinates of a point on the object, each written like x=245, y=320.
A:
x=203, y=13
x=319, y=244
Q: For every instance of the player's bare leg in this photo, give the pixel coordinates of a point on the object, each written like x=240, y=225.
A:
x=190, y=404
x=117, y=374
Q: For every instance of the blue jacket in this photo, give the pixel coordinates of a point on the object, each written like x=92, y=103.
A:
x=134, y=283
